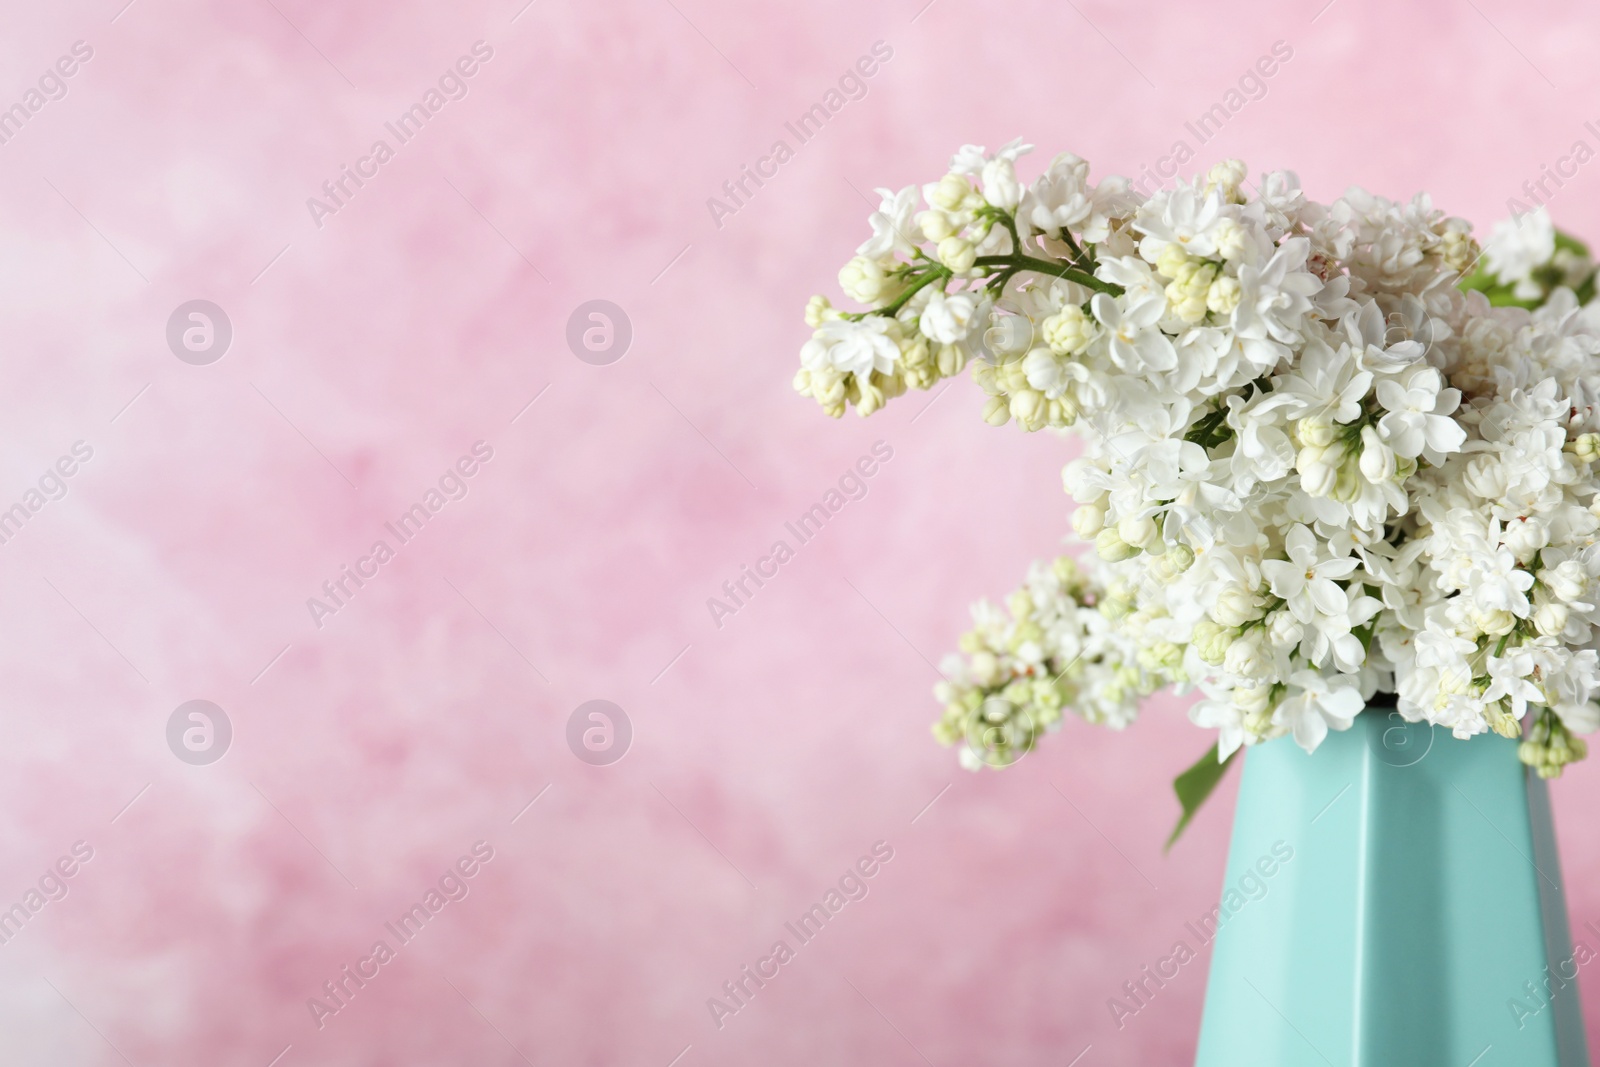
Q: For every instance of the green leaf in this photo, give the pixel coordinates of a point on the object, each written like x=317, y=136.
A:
x=1195, y=784
x=1210, y=429
x=1547, y=275
x=1567, y=242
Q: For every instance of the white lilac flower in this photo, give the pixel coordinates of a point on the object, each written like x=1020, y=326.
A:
x=1001, y=188
x=1063, y=199
x=1518, y=245
x=1306, y=583
x=892, y=224
x=1188, y=217
x=1418, y=415
x=949, y=319
x=1327, y=385
x=1131, y=335
x=1318, y=704
x=970, y=159
x=1374, y=338
x=853, y=347
x=1274, y=303
x=1317, y=462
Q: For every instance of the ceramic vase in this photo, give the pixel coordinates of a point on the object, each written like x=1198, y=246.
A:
x=1393, y=898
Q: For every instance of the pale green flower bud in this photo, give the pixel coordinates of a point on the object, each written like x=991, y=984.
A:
x=1136, y=529
x=1550, y=618
x=1112, y=548
x=1226, y=177
x=1067, y=569
x=1188, y=291
x=1501, y=721
x=1211, y=641
x=1088, y=520
x=869, y=396
x=1347, y=485
x=1027, y=407
x=1246, y=657
x=951, y=360
x=1231, y=239
x=950, y=193
x=1253, y=700
x=1162, y=567
x=958, y=254
x=819, y=311
x=1160, y=656
x=914, y=350
x=1318, y=471
x=1012, y=377
x=1224, y=295
x=1460, y=250
x=1235, y=606
x=1316, y=431
x=936, y=225
x=1255, y=704
x=1377, y=459
x=1494, y=622
x=1063, y=412
x=1172, y=261
x=1068, y=331
x=1284, y=630
x=1115, y=607
x=826, y=385
x=863, y=280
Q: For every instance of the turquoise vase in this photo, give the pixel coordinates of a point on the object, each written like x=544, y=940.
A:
x=1392, y=899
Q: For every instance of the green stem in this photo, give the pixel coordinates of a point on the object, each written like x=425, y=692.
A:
x=1054, y=268
x=1011, y=228
x=1066, y=237
x=997, y=284
x=936, y=273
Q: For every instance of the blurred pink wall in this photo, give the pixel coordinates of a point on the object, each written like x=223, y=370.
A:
x=372, y=351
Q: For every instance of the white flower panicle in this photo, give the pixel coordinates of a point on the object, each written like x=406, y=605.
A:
x=1333, y=457
x=1051, y=649
x=1526, y=259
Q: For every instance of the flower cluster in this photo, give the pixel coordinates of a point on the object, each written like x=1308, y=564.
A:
x=1327, y=453
x=1526, y=259
x=1050, y=649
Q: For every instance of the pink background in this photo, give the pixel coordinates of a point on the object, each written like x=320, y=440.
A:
x=421, y=718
